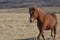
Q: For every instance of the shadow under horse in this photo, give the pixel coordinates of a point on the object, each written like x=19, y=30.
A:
x=44, y=21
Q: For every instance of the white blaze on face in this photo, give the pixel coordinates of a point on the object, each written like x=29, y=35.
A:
x=31, y=12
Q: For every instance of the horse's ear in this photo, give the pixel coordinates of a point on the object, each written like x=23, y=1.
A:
x=33, y=8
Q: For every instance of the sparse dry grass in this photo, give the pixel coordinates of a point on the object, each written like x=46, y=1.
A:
x=16, y=26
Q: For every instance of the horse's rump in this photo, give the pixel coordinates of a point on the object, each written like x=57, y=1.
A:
x=52, y=20
x=53, y=14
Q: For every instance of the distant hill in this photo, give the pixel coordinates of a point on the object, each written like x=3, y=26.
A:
x=28, y=3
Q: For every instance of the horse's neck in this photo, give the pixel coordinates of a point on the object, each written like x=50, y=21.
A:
x=41, y=16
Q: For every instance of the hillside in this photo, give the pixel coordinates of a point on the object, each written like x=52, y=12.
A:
x=28, y=3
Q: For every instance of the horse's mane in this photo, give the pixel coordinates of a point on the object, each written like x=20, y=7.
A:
x=39, y=10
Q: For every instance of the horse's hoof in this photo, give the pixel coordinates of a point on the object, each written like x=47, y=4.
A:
x=52, y=36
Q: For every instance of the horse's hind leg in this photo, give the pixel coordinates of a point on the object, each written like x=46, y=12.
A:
x=51, y=32
x=54, y=33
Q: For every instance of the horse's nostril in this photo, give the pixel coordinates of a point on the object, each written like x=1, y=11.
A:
x=31, y=21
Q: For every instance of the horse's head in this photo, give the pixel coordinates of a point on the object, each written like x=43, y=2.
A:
x=33, y=13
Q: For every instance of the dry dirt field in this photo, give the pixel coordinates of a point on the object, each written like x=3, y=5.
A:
x=15, y=25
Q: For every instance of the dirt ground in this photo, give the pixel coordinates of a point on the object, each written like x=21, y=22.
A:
x=16, y=26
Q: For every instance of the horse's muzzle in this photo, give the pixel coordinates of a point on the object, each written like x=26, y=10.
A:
x=30, y=21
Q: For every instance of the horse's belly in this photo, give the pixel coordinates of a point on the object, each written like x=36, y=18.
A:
x=48, y=27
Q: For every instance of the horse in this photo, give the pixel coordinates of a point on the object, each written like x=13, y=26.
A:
x=44, y=21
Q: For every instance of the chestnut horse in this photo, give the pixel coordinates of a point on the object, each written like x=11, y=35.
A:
x=44, y=21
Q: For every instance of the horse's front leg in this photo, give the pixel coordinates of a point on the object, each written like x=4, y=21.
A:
x=38, y=38
x=43, y=37
x=41, y=34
